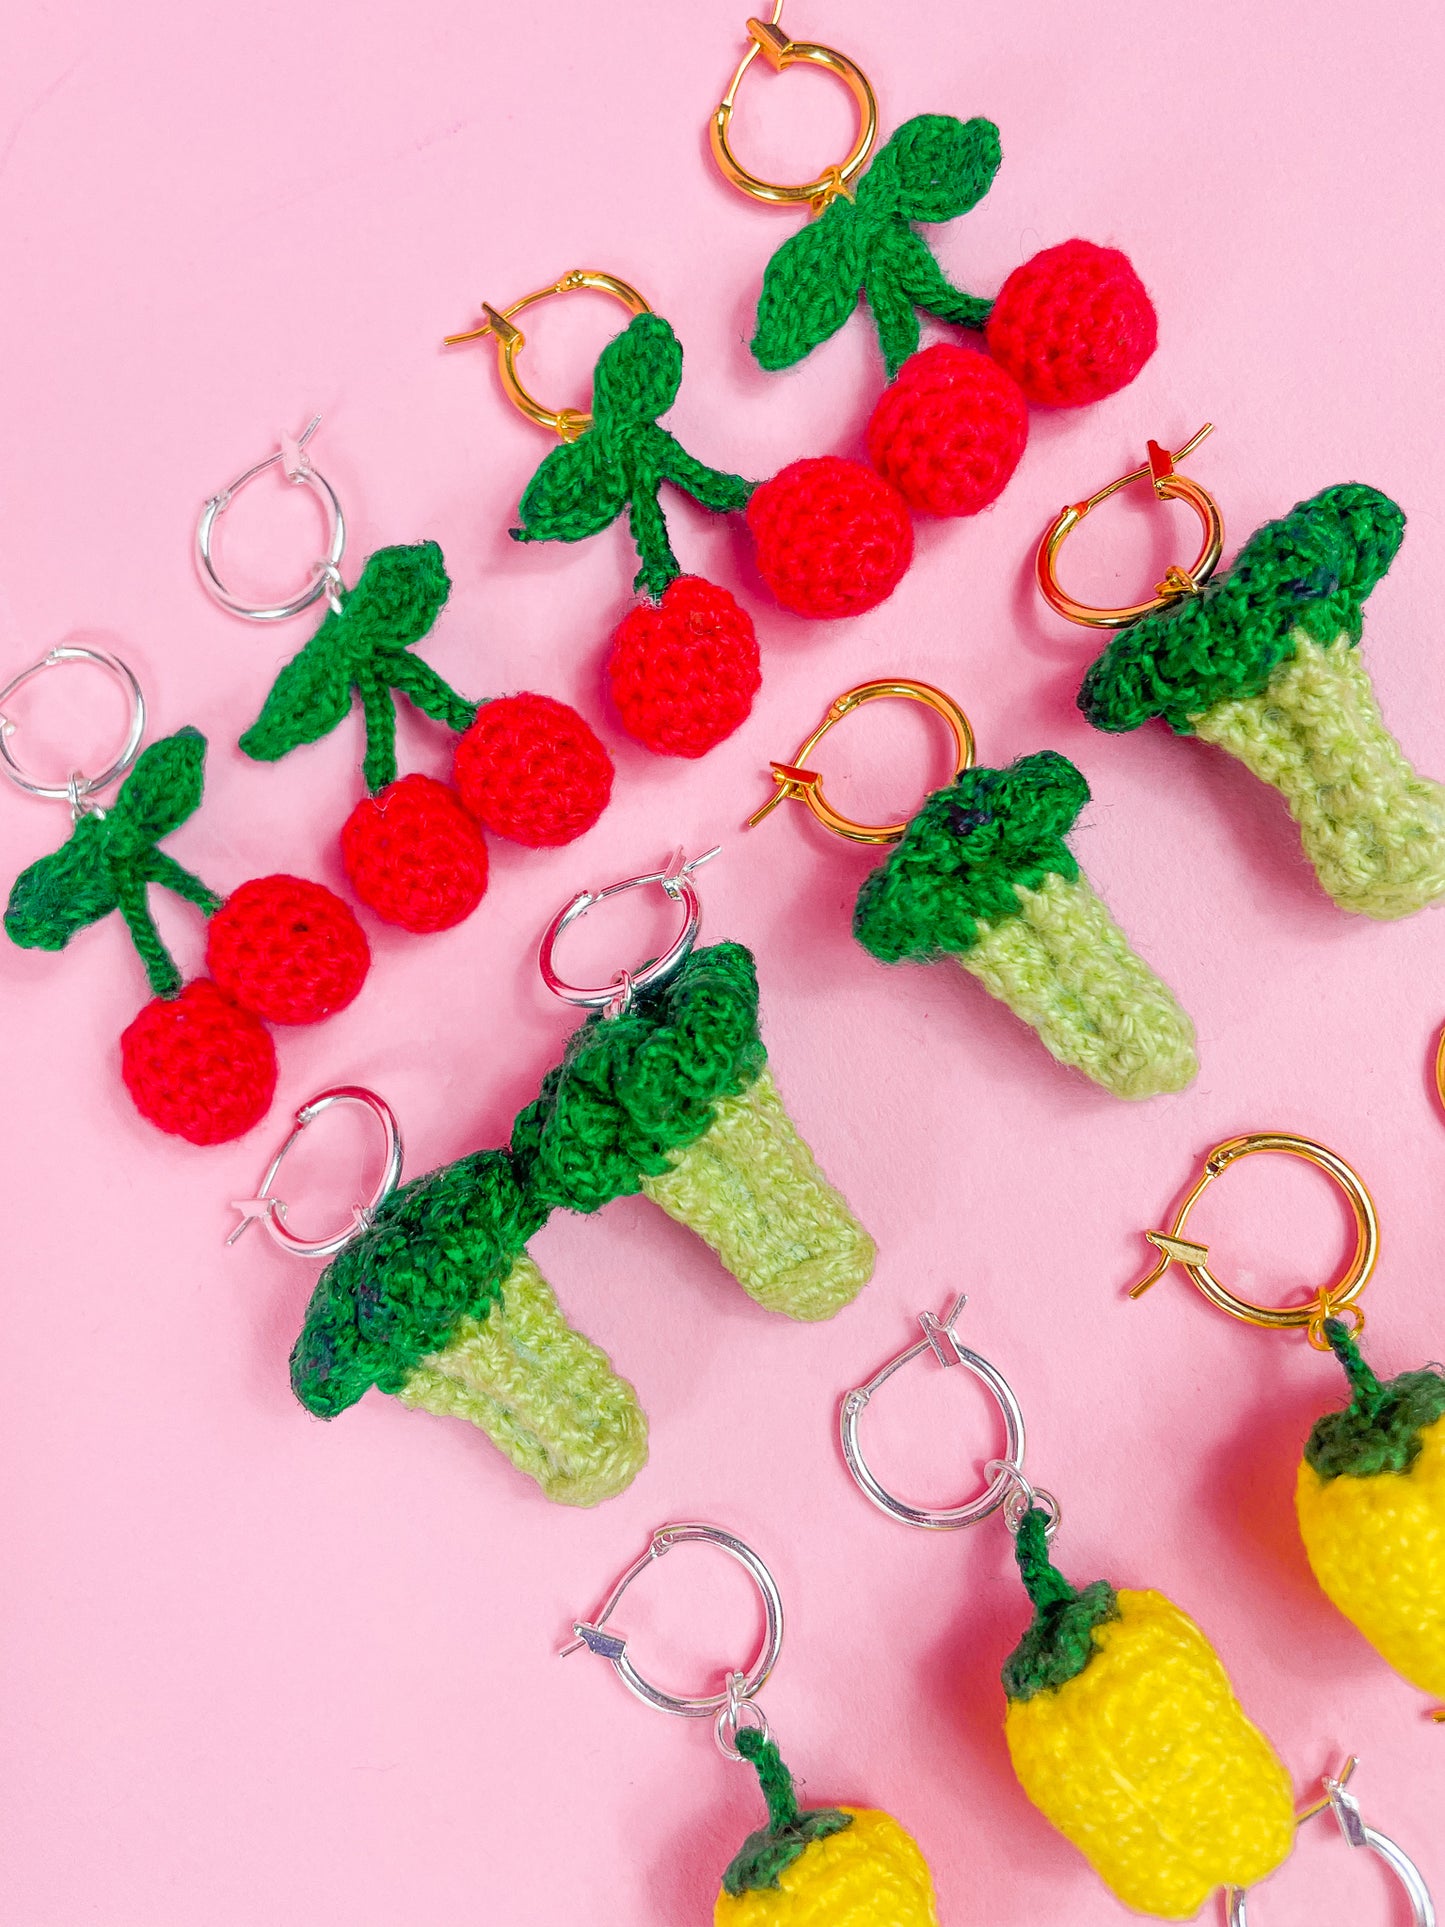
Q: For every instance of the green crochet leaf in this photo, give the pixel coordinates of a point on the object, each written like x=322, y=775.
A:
x=1310, y=572
x=1380, y=1430
x=111, y=858
x=1059, y=1642
x=767, y=1854
x=633, y=1090
x=967, y=853
x=620, y=462
x=362, y=651
x=934, y=168
x=438, y=1250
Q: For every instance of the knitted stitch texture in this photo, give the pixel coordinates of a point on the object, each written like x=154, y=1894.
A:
x=833, y=537
x=683, y=672
x=532, y=770
x=543, y=1394
x=751, y=1188
x=414, y=856
x=198, y=1066
x=933, y=169
x=949, y=430
x=983, y=873
x=1073, y=324
x=1137, y=1749
x=287, y=949
x=1370, y=1496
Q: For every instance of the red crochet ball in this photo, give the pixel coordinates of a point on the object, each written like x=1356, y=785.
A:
x=833, y=538
x=414, y=856
x=949, y=430
x=532, y=770
x=683, y=672
x=1073, y=324
x=198, y=1065
x=288, y=949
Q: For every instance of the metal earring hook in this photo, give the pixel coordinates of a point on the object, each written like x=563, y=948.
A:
x=616, y=998
x=78, y=788
x=325, y=579
x=271, y=1212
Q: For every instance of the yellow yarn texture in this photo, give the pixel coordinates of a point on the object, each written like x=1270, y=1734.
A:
x=1146, y=1762
x=1373, y=829
x=1377, y=1547
x=543, y=1393
x=1066, y=968
x=751, y=1189
x=869, y=1875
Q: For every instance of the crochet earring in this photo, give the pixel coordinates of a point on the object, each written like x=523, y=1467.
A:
x=1070, y=326
x=809, y=1866
x=831, y=537
x=982, y=873
x=1264, y=663
x=430, y=1295
x=666, y=1091
x=1122, y=1725
x=525, y=767
x=198, y=1061
x=1370, y=1492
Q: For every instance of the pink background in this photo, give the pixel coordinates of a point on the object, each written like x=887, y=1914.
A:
x=260, y=1670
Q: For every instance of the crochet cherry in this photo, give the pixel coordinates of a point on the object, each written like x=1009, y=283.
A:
x=833, y=537
x=199, y=1066
x=531, y=769
x=1073, y=324
x=949, y=430
x=683, y=671
x=414, y=856
x=287, y=949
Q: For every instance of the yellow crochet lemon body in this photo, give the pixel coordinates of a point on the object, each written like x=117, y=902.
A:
x=1371, y=1504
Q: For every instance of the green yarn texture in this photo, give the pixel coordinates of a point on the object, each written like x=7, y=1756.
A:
x=964, y=857
x=111, y=859
x=1379, y=1430
x=767, y=1854
x=623, y=459
x=633, y=1090
x=365, y=652
x=438, y=1250
x=1310, y=571
x=1060, y=1642
x=934, y=168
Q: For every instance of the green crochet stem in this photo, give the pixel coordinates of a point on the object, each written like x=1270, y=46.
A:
x=364, y=651
x=1380, y=1429
x=767, y=1854
x=623, y=459
x=934, y=168
x=1060, y=1641
x=111, y=860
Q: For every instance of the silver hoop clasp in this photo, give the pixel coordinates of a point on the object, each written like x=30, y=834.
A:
x=1347, y=1812
x=615, y=998
x=1007, y=1486
x=271, y=1212
x=735, y=1704
x=77, y=787
x=324, y=580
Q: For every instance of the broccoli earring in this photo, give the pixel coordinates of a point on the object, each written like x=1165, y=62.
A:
x=982, y=873
x=1264, y=662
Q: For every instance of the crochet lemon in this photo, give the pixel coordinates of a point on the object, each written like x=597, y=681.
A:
x=1125, y=1732
x=821, y=1866
x=1371, y=1504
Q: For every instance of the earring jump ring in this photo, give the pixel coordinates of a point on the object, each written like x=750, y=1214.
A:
x=77, y=787
x=767, y=38
x=617, y=997
x=271, y=1212
x=324, y=579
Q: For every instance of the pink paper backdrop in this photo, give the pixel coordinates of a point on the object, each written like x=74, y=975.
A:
x=264, y=1670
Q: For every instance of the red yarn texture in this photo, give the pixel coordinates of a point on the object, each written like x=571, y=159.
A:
x=288, y=949
x=833, y=537
x=949, y=430
x=414, y=856
x=532, y=770
x=683, y=671
x=198, y=1065
x=1073, y=324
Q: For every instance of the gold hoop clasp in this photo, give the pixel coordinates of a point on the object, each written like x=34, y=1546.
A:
x=806, y=785
x=1168, y=486
x=568, y=423
x=1330, y=1300
x=768, y=39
